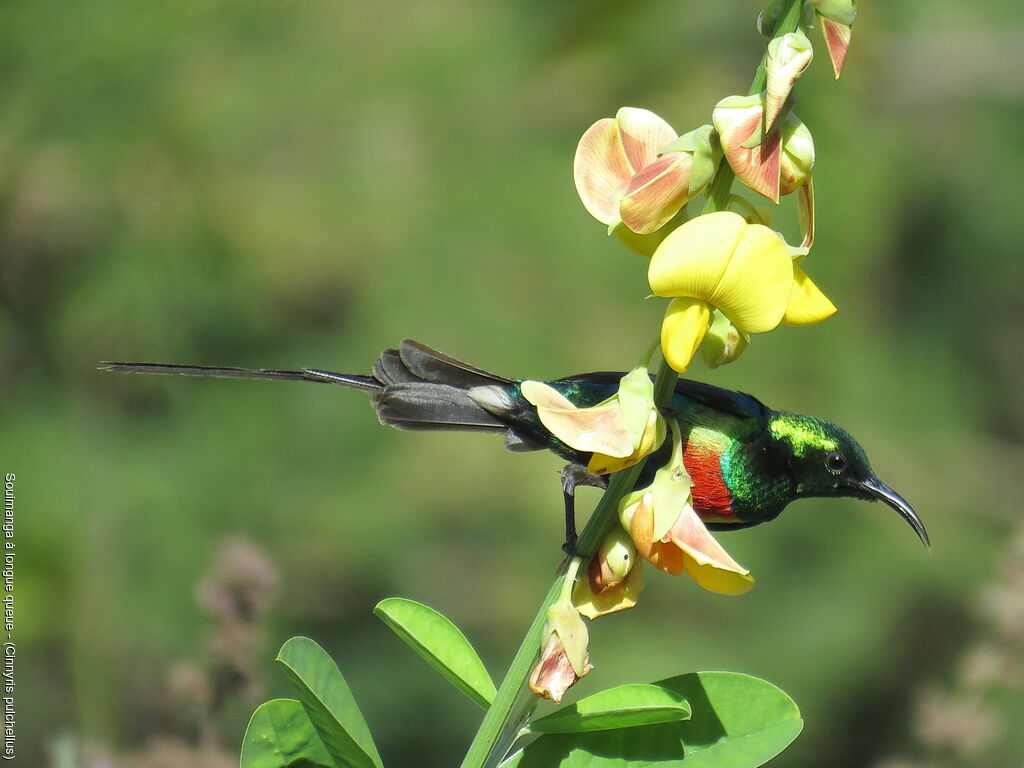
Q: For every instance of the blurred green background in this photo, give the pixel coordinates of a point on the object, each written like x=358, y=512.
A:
x=303, y=184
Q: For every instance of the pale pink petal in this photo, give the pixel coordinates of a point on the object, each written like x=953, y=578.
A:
x=657, y=193
x=601, y=170
x=644, y=135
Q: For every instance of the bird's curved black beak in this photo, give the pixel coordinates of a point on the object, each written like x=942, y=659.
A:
x=879, y=491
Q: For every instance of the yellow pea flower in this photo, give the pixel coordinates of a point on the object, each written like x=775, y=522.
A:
x=719, y=261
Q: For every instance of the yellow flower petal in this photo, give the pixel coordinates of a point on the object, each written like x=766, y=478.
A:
x=807, y=304
x=692, y=259
x=624, y=595
x=686, y=321
x=600, y=429
x=705, y=560
x=754, y=290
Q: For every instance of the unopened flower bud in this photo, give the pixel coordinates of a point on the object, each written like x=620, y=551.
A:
x=797, y=158
x=723, y=343
x=753, y=155
x=564, y=658
x=614, y=577
x=788, y=57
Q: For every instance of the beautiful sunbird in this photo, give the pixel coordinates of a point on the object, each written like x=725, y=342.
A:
x=746, y=461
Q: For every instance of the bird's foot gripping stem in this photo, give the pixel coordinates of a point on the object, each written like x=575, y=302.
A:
x=574, y=475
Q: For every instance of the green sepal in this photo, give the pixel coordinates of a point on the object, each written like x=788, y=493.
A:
x=438, y=641
x=671, y=488
x=625, y=706
x=690, y=141
x=280, y=735
x=563, y=618
x=636, y=401
x=329, y=703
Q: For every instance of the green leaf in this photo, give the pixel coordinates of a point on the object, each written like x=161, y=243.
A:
x=280, y=736
x=329, y=704
x=737, y=721
x=625, y=706
x=441, y=643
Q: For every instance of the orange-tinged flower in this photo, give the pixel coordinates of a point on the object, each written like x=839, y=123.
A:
x=772, y=164
x=753, y=156
x=668, y=533
x=633, y=170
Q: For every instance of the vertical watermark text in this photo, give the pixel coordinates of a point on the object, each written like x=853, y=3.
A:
x=7, y=632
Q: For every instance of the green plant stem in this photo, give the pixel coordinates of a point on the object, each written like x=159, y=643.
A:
x=514, y=702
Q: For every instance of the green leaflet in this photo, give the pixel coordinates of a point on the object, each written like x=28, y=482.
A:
x=737, y=721
x=329, y=704
x=441, y=643
x=624, y=706
x=280, y=736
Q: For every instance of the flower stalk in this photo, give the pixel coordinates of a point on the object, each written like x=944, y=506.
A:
x=514, y=701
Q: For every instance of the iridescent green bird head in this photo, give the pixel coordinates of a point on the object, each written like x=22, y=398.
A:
x=824, y=460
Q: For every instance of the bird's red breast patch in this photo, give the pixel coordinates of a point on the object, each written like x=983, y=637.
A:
x=711, y=498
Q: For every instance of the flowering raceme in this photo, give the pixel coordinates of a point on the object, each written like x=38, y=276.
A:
x=719, y=261
x=633, y=171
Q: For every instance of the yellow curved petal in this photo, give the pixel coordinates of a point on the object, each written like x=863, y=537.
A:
x=807, y=304
x=600, y=429
x=692, y=259
x=593, y=604
x=686, y=321
x=601, y=170
x=754, y=291
x=705, y=560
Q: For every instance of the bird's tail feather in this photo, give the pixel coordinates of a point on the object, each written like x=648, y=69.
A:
x=366, y=383
x=424, y=389
x=413, y=387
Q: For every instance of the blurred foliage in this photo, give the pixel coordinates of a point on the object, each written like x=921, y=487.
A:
x=282, y=185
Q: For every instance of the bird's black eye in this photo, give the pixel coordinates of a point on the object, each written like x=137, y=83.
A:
x=835, y=462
